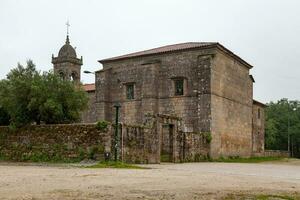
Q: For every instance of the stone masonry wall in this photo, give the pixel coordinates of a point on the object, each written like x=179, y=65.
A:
x=258, y=130
x=90, y=114
x=54, y=143
x=153, y=79
x=194, y=147
x=275, y=153
x=75, y=142
x=231, y=108
x=139, y=144
x=217, y=95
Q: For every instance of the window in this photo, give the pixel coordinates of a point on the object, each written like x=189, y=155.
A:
x=130, y=91
x=178, y=87
x=258, y=114
x=62, y=75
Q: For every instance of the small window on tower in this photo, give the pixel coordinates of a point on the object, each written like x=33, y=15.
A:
x=258, y=114
x=73, y=76
x=179, y=87
x=61, y=75
x=130, y=91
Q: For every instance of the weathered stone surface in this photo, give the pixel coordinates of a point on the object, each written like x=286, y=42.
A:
x=231, y=108
x=258, y=129
x=53, y=142
x=217, y=98
x=217, y=95
x=154, y=88
x=74, y=142
x=66, y=64
x=89, y=115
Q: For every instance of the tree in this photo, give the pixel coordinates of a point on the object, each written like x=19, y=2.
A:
x=4, y=117
x=29, y=96
x=282, y=120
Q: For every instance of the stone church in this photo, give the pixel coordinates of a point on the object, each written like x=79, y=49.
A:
x=205, y=84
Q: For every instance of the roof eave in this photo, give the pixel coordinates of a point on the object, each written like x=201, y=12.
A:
x=259, y=103
x=230, y=53
x=215, y=45
x=151, y=54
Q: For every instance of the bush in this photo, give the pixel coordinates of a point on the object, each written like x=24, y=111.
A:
x=102, y=126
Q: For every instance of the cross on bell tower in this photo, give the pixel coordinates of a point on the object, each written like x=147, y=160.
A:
x=68, y=26
x=66, y=64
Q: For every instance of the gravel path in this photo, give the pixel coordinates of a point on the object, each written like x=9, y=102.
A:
x=165, y=181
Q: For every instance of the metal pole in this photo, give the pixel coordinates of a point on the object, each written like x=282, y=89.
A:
x=291, y=138
x=292, y=147
x=117, y=106
x=289, y=133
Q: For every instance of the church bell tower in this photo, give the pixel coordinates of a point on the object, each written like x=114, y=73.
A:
x=66, y=64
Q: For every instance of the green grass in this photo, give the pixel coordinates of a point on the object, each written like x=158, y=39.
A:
x=266, y=197
x=165, y=158
x=117, y=165
x=247, y=160
x=261, y=197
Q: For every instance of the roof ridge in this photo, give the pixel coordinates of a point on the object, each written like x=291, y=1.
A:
x=162, y=49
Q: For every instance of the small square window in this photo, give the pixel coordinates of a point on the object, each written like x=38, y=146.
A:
x=179, y=87
x=130, y=91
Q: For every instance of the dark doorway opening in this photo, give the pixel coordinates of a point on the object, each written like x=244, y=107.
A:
x=166, y=148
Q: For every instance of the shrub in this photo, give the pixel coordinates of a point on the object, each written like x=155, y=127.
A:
x=102, y=125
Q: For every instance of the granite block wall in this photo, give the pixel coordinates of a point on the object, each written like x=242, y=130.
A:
x=73, y=142
x=90, y=114
x=258, y=129
x=217, y=97
x=231, y=108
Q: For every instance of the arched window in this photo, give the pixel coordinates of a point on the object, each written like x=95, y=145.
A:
x=74, y=76
x=61, y=74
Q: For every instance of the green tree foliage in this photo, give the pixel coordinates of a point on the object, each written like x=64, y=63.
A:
x=283, y=117
x=29, y=96
x=4, y=117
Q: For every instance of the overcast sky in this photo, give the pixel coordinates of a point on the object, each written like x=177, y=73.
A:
x=265, y=33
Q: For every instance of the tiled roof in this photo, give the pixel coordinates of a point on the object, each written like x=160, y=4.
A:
x=259, y=103
x=163, y=49
x=177, y=47
x=89, y=87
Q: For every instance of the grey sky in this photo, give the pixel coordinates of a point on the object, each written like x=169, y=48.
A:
x=266, y=33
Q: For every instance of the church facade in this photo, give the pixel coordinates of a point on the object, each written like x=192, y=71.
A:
x=205, y=84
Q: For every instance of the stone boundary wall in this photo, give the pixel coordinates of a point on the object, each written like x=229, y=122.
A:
x=194, y=147
x=72, y=142
x=76, y=142
x=139, y=144
x=276, y=153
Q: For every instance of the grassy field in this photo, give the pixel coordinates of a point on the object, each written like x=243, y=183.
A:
x=262, y=197
x=248, y=160
x=118, y=165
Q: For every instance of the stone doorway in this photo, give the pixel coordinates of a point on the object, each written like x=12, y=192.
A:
x=166, y=143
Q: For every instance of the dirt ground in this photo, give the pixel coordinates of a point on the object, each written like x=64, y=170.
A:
x=165, y=181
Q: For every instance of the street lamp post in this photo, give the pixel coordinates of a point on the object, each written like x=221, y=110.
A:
x=116, y=137
x=117, y=106
x=289, y=136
